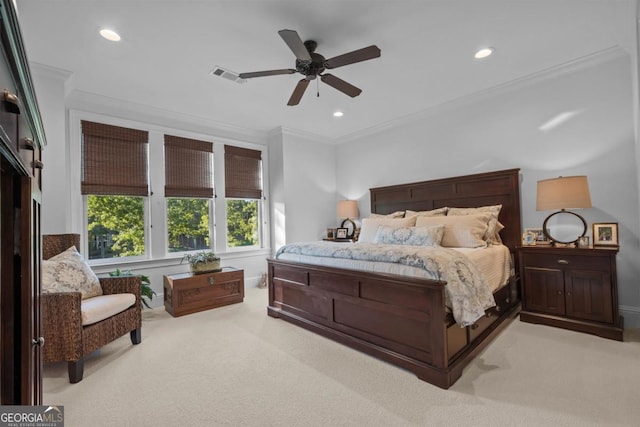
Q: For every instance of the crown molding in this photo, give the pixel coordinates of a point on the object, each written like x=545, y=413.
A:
x=285, y=131
x=91, y=102
x=578, y=64
x=49, y=71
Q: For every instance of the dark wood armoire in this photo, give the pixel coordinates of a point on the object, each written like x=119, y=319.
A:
x=21, y=142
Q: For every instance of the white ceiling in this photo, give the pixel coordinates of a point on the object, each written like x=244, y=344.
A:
x=168, y=49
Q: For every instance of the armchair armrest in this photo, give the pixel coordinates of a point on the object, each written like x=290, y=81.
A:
x=122, y=285
x=61, y=325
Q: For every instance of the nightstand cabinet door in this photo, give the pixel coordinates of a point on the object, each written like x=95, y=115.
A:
x=544, y=290
x=571, y=288
x=588, y=295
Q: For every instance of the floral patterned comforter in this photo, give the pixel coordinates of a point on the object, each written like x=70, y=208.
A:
x=467, y=293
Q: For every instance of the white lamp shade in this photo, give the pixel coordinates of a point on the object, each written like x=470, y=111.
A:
x=347, y=209
x=568, y=192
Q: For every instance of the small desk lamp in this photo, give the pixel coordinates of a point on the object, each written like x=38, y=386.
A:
x=348, y=209
x=568, y=192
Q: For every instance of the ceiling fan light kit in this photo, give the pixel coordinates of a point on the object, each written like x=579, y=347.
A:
x=311, y=65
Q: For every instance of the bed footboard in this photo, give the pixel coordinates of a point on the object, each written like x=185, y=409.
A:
x=398, y=319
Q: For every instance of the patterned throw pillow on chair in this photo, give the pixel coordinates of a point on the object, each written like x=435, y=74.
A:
x=69, y=272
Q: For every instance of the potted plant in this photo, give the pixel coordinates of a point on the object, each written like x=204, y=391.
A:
x=146, y=292
x=203, y=262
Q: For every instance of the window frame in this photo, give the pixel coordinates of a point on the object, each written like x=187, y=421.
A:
x=156, y=244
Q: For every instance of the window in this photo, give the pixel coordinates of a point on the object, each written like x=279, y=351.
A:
x=243, y=221
x=115, y=226
x=189, y=190
x=115, y=182
x=243, y=192
x=147, y=194
x=188, y=224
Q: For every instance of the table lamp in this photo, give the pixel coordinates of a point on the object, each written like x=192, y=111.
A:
x=348, y=209
x=568, y=192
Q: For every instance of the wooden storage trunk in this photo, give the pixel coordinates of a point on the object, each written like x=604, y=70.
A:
x=187, y=293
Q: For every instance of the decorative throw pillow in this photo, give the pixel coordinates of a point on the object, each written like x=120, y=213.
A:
x=493, y=230
x=68, y=272
x=433, y=212
x=465, y=231
x=370, y=226
x=411, y=236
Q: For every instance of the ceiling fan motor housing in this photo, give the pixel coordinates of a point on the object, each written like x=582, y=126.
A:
x=313, y=68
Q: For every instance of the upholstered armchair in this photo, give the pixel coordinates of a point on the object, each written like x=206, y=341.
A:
x=73, y=326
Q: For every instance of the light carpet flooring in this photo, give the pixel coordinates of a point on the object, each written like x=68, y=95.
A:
x=235, y=366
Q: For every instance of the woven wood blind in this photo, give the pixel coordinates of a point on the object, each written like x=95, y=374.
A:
x=114, y=160
x=242, y=172
x=188, y=166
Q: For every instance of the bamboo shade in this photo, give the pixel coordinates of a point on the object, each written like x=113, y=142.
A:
x=114, y=160
x=242, y=172
x=188, y=166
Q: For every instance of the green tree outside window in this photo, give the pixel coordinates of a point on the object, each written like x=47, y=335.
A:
x=115, y=226
x=188, y=224
x=242, y=222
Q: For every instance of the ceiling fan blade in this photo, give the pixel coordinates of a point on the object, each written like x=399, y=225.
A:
x=293, y=40
x=341, y=85
x=266, y=73
x=296, y=96
x=359, y=55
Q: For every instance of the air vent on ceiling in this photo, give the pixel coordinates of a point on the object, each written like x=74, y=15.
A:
x=226, y=74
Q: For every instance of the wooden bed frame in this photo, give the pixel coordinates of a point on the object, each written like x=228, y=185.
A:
x=400, y=319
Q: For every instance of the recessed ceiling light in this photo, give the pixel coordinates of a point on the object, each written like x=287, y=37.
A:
x=483, y=53
x=110, y=35
x=338, y=114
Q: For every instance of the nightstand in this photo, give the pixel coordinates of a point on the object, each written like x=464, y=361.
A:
x=571, y=288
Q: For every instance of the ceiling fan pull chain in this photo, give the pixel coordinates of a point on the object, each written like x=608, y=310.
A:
x=318, y=87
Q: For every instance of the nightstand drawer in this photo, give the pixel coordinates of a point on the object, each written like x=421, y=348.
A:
x=567, y=261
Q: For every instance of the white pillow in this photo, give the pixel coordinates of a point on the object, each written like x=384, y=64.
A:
x=433, y=212
x=465, y=231
x=68, y=272
x=370, y=226
x=410, y=236
x=493, y=231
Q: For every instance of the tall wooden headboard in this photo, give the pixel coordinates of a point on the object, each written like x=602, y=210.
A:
x=491, y=188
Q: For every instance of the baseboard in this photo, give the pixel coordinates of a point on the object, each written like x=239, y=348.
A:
x=631, y=316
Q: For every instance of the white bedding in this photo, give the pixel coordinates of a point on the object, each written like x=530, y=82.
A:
x=493, y=261
x=471, y=274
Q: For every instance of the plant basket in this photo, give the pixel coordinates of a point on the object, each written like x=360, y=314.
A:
x=205, y=267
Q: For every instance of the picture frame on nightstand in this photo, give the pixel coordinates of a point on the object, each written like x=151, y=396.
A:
x=605, y=234
x=342, y=233
x=528, y=238
x=540, y=237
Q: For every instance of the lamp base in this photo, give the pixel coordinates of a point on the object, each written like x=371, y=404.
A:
x=353, y=227
x=561, y=243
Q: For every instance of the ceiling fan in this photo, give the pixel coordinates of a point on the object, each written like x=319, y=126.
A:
x=312, y=65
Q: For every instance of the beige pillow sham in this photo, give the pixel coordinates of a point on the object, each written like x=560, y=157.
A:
x=433, y=212
x=464, y=231
x=493, y=230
